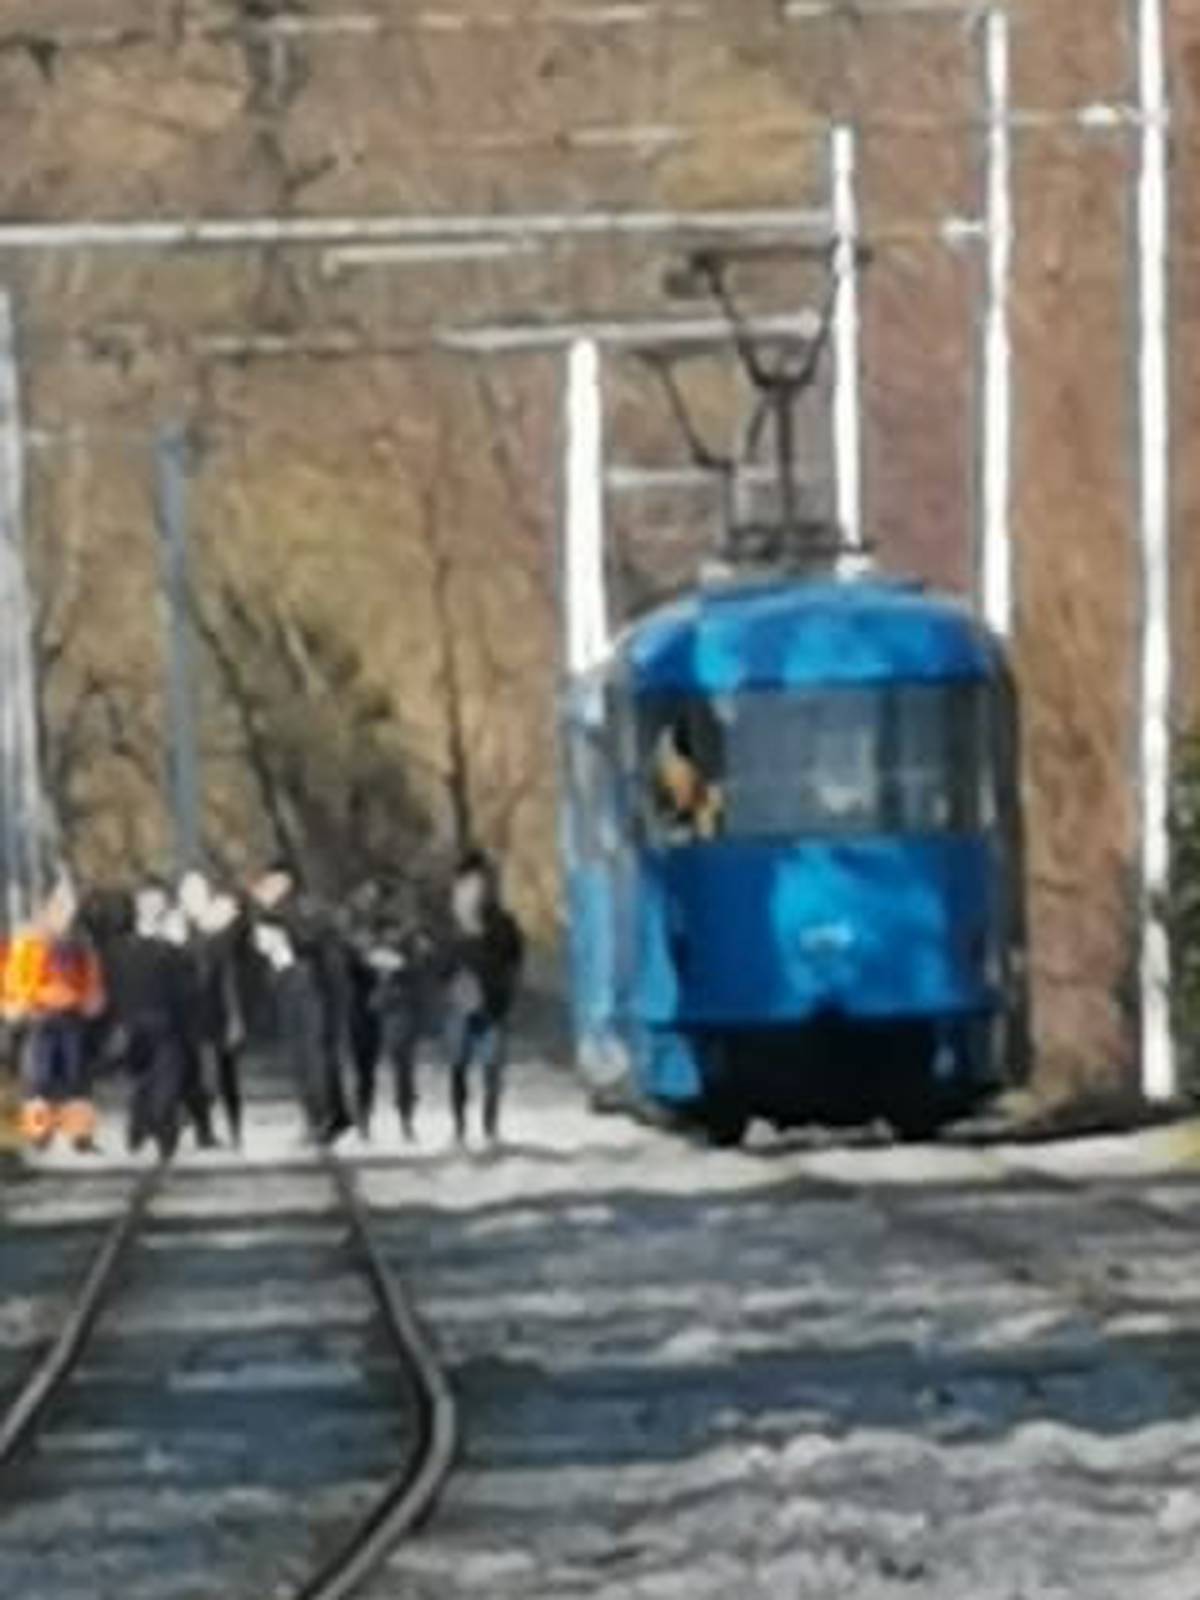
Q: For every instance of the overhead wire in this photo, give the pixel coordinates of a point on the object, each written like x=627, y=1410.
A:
x=370, y=22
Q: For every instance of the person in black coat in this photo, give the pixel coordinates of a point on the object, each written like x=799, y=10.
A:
x=358, y=928
x=399, y=956
x=300, y=941
x=218, y=933
x=149, y=995
x=482, y=966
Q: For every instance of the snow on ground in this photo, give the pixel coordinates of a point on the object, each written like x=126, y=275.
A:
x=803, y=1369
x=798, y=1371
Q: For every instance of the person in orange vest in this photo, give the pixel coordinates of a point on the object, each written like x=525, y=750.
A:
x=51, y=987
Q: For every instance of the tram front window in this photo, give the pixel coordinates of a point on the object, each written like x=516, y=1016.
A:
x=907, y=758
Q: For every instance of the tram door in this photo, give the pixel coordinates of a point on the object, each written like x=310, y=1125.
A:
x=1016, y=1045
x=597, y=892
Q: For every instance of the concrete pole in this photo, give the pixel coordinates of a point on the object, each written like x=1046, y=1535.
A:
x=585, y=600
x=1154, y=517
x=171, y=465
x=996, y=557
x=847, y=398
x=20, y=777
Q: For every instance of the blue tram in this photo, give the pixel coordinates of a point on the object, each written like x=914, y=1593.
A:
x=793, y=853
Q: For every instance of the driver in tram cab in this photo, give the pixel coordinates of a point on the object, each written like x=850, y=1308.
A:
x=689, y=803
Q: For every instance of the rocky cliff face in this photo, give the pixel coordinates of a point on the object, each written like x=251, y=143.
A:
x=372, y=524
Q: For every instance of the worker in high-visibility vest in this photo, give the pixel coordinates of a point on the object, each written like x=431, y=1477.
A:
x=11, y=1140
x=50, y=987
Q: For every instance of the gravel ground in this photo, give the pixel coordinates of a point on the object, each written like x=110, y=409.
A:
x=803, y=1369
x=797, y=1371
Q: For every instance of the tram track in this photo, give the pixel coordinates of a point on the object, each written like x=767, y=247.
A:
x=407, y=1493
x=1019, y=1227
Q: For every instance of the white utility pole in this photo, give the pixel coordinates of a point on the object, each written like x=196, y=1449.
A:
x=996, y=556
x=584, y=587
x=20, y=776
x=1154, y=516
x=847, y=398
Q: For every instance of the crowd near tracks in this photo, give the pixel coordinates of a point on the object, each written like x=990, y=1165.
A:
x=424, y=1396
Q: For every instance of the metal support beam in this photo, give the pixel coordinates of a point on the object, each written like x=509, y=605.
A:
x=209, y=233
x=701, y=332
x=847, y=440
x=632, y=479
x=995, y=555
x=516, y=338
x=585, y=603
x=171, y=468
x=1154, y=518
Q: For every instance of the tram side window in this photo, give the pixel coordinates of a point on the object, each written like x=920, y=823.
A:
x=682, y=759
x=936, y=760
x=837, y=762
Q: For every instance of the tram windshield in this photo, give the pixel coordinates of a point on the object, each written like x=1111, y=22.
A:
x=901, y=758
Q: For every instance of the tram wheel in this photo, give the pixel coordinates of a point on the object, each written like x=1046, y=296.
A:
x=725, y=1126
x=918, y=1121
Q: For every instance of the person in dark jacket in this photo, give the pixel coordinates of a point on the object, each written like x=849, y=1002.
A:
x=359, y=928
x=160, y=917
x=300, y=941
x=399, y=957
x=217, y=945
x=149, y=991
x=483, y=966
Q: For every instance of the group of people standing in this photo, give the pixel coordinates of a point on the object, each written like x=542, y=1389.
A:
x=171, y=987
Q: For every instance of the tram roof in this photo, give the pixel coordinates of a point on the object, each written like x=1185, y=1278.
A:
x=805, y=634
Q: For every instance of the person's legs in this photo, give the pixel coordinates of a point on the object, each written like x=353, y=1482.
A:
x=78, y=1114
x=367, y=1044
x=229, y=1088
x=460, y=1036
x=401, y=1031
x=139, y=1060
x=38, y=1113
x=194, y=1091
x=301, y=1035
x=168, y=1089
x=336, y=1118
x=491, y=1051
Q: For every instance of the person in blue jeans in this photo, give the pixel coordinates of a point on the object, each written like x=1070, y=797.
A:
x=484, y=959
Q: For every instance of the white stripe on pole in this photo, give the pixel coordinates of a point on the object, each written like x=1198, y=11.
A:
x=996, y=556
x=584, y=586
x=1157, y=1052
x=11, y=475
x=847, y=441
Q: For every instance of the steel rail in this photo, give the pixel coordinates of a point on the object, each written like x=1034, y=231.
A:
x=1054, y=1271
x=1112, y=1193
x=409, y=1496
x=408, y=1500
x=29, y=1406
